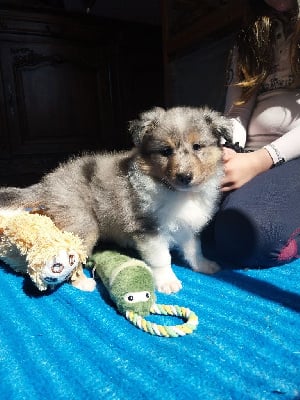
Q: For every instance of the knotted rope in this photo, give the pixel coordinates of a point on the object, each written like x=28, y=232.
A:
x=165, y=330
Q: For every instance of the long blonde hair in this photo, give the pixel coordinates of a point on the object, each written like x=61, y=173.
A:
x=255, y=44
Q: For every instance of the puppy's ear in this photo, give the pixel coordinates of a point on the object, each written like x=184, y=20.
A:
x=221, y=126
x=223, y=132
x=147, y=121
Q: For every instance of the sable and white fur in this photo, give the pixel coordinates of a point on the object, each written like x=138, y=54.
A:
x=156, y=196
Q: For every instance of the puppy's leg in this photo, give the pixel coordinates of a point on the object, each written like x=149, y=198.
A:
x=78, y=278
x=155, y=252
x=191, y=248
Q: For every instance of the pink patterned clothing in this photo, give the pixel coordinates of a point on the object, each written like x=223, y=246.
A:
x=271, y=118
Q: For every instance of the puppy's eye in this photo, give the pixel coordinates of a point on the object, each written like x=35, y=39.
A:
x=166, y=151
x=197, y=146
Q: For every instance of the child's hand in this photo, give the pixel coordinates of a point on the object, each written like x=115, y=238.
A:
x=240, y=168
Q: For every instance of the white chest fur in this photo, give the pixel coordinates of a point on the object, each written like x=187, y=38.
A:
x=183, y=211
x=178, y=210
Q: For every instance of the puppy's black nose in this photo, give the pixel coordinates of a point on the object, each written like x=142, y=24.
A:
x=184, y=179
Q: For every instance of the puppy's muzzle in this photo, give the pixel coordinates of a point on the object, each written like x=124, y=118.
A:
x=184, y=179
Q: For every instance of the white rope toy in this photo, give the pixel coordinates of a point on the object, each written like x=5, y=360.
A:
x=166, y=330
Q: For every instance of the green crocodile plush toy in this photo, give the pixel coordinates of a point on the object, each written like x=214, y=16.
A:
x=129, y=281
x=130, y=284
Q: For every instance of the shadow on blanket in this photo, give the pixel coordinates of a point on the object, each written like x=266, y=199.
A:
x=261, y=288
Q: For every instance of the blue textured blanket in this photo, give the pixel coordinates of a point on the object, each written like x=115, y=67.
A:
x=74, y=345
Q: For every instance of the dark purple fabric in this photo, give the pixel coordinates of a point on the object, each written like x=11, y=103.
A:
x=258, y=225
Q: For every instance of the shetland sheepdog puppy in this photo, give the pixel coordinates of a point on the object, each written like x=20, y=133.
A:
x=157, y=196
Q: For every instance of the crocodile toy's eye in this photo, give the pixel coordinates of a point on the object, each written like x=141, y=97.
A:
x=135, y=297
x=130, y=298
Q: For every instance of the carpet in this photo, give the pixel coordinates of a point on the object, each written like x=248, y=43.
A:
x=74, y=345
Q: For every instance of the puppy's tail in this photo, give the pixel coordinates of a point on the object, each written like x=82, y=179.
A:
x=13, y=197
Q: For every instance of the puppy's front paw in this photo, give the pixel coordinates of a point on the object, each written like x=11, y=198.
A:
x=166, y=281
x=207, y=267
x=85, y=284
x=81, y=281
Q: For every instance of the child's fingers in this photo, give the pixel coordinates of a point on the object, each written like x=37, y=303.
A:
x=228, y=154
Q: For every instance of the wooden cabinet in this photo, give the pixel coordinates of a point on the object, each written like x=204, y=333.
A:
x=70, y=84
x=45, y=85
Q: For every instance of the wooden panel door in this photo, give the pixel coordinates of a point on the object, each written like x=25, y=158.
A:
x=59, y=97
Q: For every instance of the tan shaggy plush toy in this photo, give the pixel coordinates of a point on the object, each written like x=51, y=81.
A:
x=31, y=244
